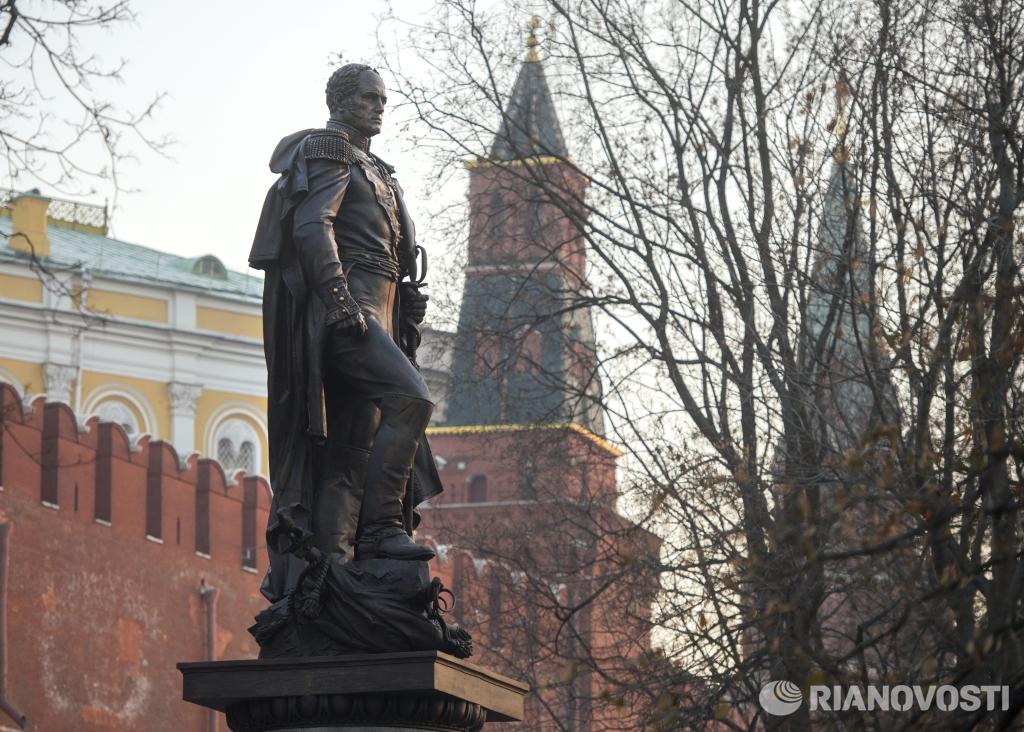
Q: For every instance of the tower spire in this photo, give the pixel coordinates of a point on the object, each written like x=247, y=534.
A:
x=521, y=356
x=529, y=126
x=532, y=55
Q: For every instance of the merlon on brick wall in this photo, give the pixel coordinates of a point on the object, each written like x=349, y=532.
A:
x=139, y=490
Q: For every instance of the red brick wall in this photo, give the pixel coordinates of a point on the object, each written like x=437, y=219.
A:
x=559, y=459
x=98, y=615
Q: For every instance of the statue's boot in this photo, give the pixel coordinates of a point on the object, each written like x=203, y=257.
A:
x=339, y=499
x=381, y=531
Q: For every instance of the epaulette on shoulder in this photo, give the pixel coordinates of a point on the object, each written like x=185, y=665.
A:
x=328, y=145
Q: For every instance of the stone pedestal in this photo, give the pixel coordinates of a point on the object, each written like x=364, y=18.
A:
x=381, y=692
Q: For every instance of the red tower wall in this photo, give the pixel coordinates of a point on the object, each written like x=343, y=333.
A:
x=503, y=197
x=106, y=548
x=522, y=559
x=527, y=531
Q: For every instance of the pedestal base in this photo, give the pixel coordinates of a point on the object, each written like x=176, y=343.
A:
x=379, y=692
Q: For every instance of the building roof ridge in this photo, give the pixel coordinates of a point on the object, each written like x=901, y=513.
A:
x=109, y=255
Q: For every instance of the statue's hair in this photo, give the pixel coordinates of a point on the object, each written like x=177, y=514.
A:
x=343, y=84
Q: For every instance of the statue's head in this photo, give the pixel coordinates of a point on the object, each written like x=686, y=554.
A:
x=356, y=97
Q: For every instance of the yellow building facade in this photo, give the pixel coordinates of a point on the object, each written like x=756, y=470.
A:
x=165, y=346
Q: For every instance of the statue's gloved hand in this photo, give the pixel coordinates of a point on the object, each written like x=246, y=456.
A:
x=414, y=302
x=344, y=316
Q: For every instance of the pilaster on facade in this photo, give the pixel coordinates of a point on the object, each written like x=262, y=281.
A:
x=183, y=311
x=61, y=288
x=183, y=399
x=61, y=338
x=59, y=379
x=185, y=354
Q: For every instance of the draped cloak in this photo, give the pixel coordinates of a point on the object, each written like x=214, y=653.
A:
x=294, y=338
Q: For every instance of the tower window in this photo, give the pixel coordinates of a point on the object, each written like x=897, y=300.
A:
x=496, y=214
x=488, y=355
x=534, y=223
x=529, y=357
x=528, y=480
x=478, y=489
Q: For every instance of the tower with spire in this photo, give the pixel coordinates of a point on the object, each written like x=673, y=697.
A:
x=527, y=524
x=871, y=611
x=524, y=349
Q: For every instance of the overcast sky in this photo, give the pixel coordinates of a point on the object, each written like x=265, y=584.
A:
x=239, y=75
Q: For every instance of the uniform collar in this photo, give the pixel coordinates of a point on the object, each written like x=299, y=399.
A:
x=357, y=138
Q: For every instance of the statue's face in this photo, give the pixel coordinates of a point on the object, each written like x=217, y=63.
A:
x=364, y=110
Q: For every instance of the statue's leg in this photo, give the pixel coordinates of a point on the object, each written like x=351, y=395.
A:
x=342, y=473
x=382, y=528
x=339, y=500
x=373, y=367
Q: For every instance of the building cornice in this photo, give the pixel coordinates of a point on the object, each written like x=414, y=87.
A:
x=579, y=429
x=525, y=266
x=135, y=349
x=535, y=160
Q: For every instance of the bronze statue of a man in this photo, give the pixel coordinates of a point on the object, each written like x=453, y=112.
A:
x=347, y=407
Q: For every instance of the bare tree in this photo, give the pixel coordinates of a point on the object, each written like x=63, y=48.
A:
x=57, y=125
x=802, y=223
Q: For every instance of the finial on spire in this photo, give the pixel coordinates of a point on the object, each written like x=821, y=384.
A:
x=532, y=43
x=842, y=92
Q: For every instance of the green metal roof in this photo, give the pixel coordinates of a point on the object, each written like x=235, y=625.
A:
x=135, y=263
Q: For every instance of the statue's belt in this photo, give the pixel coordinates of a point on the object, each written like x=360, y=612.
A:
x=387, y=266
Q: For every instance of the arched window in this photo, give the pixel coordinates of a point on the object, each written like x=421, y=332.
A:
x=488, y=355
x=478, y=489
x=496, y=215
x=237, y=446
x=528, y=359
x=534, y=223
x=123, y=405
x=9, y=378
x=118, y=412
x=528, y=480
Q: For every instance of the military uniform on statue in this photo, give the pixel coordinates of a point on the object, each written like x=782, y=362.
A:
x=347, y=406
x=354, y=637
